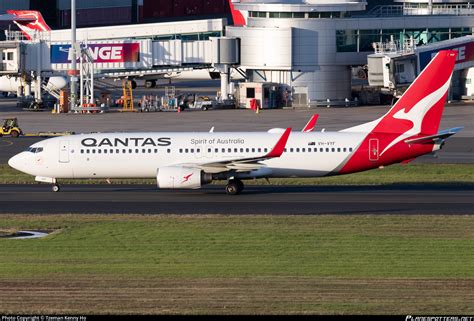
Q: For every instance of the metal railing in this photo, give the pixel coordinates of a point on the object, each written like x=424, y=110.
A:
x=395, y=46
x=421, y=9
x=14, y=35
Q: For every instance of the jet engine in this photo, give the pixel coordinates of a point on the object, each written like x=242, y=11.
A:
x=179, y=177
x=11, y=85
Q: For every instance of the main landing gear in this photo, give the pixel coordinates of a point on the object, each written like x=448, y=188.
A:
x=55, y=188
x=234, y=187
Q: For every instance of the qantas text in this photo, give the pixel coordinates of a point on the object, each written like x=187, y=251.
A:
x=126, y=142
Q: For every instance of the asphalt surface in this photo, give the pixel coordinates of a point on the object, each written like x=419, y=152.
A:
x=275, y=200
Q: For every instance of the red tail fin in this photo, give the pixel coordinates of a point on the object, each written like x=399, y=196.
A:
x=237, y=16
x=28, y=28
x=416, y=114
x=421, y=106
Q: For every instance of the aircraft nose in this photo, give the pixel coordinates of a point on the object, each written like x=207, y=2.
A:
x=16, y=162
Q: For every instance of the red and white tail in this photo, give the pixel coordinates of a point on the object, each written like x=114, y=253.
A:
x=30, y=27
x=416, y=114
x=420, y=108
x=237, y=16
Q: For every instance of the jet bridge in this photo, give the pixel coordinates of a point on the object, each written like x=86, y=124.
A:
x=393, y=69
x=139, y=53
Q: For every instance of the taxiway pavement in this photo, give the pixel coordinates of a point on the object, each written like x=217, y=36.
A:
x=272, y=200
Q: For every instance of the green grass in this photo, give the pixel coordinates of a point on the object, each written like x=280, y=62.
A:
x=396, y=174
x=250, y=264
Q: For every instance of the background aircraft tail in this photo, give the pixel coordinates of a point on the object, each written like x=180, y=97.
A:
x=237, y=16
x=29, y=28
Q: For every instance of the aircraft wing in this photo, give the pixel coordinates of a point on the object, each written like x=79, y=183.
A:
x=434, y=138
x=244, y=164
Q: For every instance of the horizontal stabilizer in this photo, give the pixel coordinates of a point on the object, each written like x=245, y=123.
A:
x=434, y=138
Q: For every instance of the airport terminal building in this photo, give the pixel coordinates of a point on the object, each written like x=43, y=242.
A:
x=307, y=47
x=311, y=46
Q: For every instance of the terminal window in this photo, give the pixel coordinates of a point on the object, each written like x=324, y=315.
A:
x=250, y=92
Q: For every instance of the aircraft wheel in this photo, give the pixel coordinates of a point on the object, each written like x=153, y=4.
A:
x=56, y=188
x=234, y=187
x=150, y=84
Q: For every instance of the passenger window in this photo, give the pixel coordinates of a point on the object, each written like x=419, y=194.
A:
x=327, y=150
x=291, y=150
x=88, y=151
x=223, y=150
x=180, y=150
x=229, y=150
x=338, y=150
x=284, y=150
x=344, y=149
x=137, y=151
x=192, y=150
x=265, y=150
x=186, y=150
x=169, y=151
x=303, y=150
x=236, y=150
x=247, y=150
x=105, y=151
x=216, y=150
x=260, y=150
x=93, y=151
x=82, y=151
x=209, y=150
x=198, y=150
x=333, y=150
x=241, y=150
x=156, y=151
x=253, y=150
x=350, y=149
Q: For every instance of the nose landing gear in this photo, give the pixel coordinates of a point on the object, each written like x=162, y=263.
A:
x=234, y=187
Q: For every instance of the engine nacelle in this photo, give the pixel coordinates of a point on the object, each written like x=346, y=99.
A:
x=179, y=177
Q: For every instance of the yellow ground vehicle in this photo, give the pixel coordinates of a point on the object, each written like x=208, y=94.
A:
x=10, y=127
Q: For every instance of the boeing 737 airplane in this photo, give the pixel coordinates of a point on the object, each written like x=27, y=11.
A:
x=190, y=160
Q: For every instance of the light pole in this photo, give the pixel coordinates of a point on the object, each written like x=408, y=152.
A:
x=73, y=71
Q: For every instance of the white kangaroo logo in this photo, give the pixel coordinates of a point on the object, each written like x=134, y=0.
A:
x=417, y=114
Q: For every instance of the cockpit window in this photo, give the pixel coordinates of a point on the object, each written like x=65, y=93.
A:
x=35, y=150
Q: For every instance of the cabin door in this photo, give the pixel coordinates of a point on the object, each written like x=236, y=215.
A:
x=64, y=152
x=374, y=150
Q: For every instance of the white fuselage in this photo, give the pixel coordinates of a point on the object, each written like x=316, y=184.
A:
x=140, y=155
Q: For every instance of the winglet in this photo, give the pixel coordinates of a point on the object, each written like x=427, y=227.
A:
x=311, y=124
x=279, y=148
